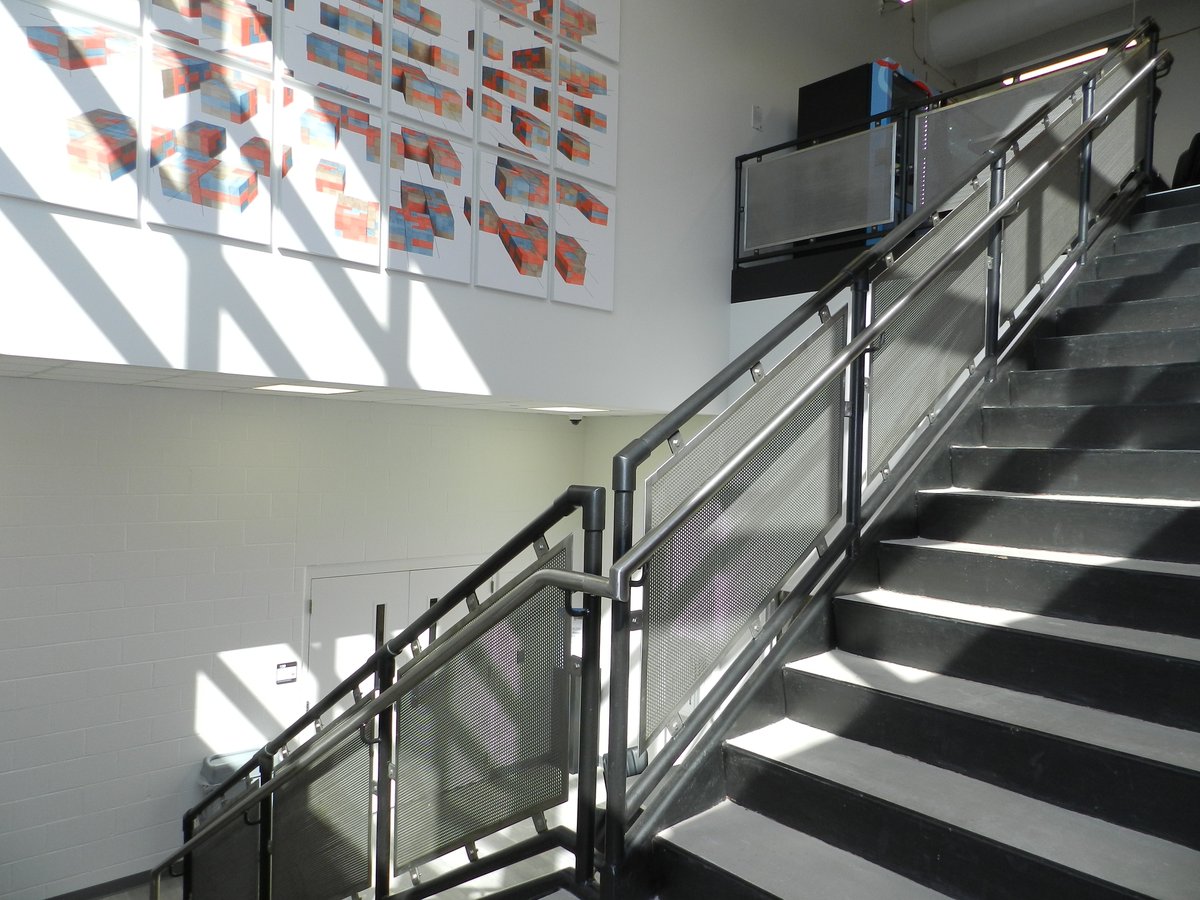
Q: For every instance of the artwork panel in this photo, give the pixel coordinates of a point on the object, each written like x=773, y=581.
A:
x=430, y=181
x=512, y=232
x=585, y=124
x=70, y=110
x=516, y=87
x=592, y=24
x=433, y=63
x=330, y=179
x=210, y=152
x=337, y=45
x=584, y=244
x=124, y=12
x=240, y=29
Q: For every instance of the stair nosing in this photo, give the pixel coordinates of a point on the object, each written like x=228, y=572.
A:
x=1074, y=841
x=1117, y=637
x=1105, y=499
x=1032, y=712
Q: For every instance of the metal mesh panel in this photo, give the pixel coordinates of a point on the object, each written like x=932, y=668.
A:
x=321, y=837
x=836, y=186
x=949, y=140
x=482, y=743
x=713, y=574
x=1117, y=149
x=1048, y=220
x=226, y=867
x=934, y=337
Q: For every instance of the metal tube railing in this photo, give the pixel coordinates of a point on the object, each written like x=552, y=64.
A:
x=625, y=464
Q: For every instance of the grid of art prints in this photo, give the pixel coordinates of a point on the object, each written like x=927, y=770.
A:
x=429, y=204
x=210, y=153
x=330, y=179
x=592, y=24
x=70, y=108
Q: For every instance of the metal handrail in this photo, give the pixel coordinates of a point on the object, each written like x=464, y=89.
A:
x=633, y=556
x=641, y=551
x=408, y=678
x=639, y=449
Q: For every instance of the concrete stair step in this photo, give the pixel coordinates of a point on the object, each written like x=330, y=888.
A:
x=1120, y=426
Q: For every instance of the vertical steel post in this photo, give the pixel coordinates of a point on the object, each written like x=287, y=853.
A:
x=857, y=413
x=991, y=319
x=1148, y=162
x=383, y=782
x=1085, y=168
x=266, y=771
x=589, y=706
x=618, y=699
x=189, y=832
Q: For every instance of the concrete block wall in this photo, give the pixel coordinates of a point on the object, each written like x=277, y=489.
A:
x=153, y=546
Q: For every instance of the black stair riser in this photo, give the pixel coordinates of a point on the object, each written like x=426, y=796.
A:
x=1111, y=529
x=1172, y=199
x=1146, y=385
x=1138, y=287
x=1125, y=790
x=1103, y=595
x=1164, y=218
x=1098, y=427
x=680, y=875
x=1171, y=474
x=1136, y=315
x=1147, y=262
x=1159, y=238
x=1155, y=688
x=1134, y=348
x=940, y=856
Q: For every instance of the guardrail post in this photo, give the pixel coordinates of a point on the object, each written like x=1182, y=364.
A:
x=991, y=318
x=383, y=783
x=189, y=832
x=266, y=771
x=857, y=412
x=1085, y=168
x=1148, y=162
x=589, y=706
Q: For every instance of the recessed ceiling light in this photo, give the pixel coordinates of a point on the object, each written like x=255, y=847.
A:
x=304, y=389
x=567, y=409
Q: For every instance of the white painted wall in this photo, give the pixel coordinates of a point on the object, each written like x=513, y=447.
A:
x=153, y=550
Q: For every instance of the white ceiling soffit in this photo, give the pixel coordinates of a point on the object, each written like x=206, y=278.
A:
x=979, y=27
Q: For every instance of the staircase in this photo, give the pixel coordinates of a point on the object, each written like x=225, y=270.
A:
x=1015, y=710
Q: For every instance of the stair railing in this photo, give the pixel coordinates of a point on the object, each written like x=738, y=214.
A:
x=926, y=322
x=322, y=791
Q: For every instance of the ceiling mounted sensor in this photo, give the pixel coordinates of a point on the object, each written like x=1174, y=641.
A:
x=980, y=27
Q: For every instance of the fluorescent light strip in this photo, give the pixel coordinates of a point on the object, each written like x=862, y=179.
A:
x=304, y=389
x=1059, y=66
x=567, y=409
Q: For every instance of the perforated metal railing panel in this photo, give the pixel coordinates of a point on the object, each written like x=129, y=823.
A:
x=1047, y=222
x=841, y=185
x=482, y=743
x=949, y=140
x=226, y=867
x=321, y=836
x=1117, y=149
x=714, y=573
x=934, y=338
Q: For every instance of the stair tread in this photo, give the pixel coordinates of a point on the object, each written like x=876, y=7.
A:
x=1118, y=855
x=1172, y=502
x=790, y=864
x=1122, y=734
x=1151, y=566
x=1150, y=642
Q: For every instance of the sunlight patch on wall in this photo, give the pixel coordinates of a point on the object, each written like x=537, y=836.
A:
x=219, y=722
x=436, y=357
